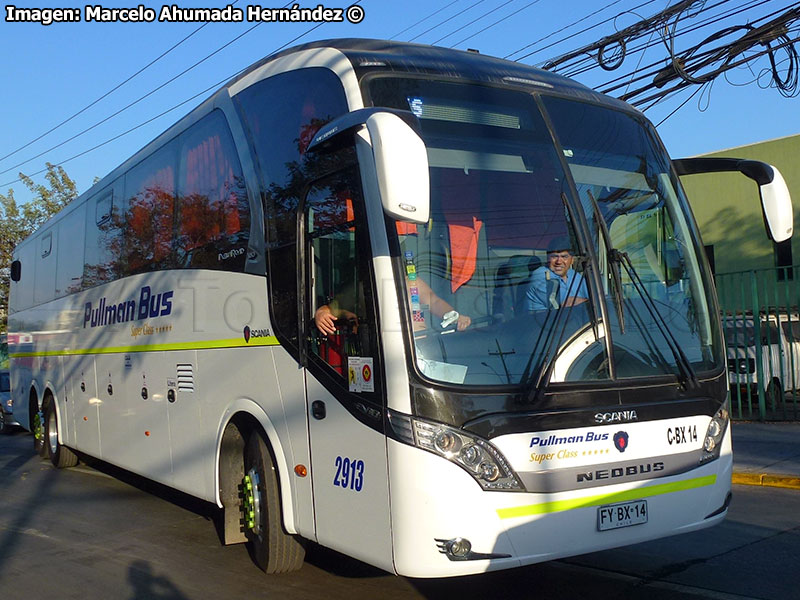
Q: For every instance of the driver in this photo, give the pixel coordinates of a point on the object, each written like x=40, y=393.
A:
x=557, y=284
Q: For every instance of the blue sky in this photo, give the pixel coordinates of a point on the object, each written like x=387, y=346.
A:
x=50, y=73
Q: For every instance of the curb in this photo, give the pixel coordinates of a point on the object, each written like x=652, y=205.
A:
x=767, y=480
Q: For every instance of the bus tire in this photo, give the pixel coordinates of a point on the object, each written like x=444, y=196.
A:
x=59, y=455
x=273, y=550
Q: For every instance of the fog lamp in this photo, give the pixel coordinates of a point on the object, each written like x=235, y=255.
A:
x=459, y=547
x=446, y=442
x=470, y=455
x=489, y=471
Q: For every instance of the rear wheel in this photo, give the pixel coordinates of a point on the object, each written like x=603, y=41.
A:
x=274, y=550
x=59, y=455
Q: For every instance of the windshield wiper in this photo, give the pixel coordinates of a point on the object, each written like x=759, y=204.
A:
x=687, y=375
x=617, y=259
x=551, y=341
x=613, y=265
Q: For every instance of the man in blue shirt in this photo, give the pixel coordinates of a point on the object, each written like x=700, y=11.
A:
x=556, y=284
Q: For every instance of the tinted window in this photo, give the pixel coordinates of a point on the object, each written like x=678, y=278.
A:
x=214, y=222
x=149, y=212
x=184, y=206
x=5, y=382
x=69, y=273
x=103, y=247
x=339, y=281
x=791, y=330
x=282, y=114
x=45, y=279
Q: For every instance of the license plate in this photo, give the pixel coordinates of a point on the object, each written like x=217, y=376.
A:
x=623, y=514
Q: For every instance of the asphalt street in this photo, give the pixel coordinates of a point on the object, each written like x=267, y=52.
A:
x=94, y=532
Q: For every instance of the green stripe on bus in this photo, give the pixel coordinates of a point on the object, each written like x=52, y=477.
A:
x=636, y=494
x=210, y=345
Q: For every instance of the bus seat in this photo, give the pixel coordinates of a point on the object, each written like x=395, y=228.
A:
x=511, y=283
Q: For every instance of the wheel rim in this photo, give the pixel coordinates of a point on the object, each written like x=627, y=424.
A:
x=251, y=488
x=52, y=434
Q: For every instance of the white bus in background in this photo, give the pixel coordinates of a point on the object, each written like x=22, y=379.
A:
x=165, y=320
x=776, y=344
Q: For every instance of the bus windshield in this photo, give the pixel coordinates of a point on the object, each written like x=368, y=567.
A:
x=498, y=282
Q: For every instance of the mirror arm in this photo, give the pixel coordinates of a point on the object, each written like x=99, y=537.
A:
x=760, y=172
x=353, y=121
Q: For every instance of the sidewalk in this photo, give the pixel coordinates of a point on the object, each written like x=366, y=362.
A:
x=766, y=454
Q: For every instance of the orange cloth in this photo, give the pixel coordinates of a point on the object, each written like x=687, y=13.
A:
x=404, y=228
x=463, y=252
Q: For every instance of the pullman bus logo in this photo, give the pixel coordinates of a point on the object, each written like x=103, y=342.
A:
x=621, y=441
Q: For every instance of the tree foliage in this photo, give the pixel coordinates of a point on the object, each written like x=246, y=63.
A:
x=18, y=221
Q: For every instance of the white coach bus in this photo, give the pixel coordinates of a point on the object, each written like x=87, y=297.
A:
x=177, y=319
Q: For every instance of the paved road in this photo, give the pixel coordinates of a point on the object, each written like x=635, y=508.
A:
x=89, y=534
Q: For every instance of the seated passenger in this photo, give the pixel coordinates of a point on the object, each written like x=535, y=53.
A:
x=556, y=284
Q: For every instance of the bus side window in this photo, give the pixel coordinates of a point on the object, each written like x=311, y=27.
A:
x=337, y=281
x=149, y=212
x=103, y=244
x=214, y=222
x=281, y=114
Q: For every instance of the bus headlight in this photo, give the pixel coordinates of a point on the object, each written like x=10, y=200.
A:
x=475, y=455
x=715, y=433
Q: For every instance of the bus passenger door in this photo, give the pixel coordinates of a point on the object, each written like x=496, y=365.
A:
x=344, y=394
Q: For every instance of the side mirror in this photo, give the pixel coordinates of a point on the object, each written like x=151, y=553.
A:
x=776, y=202
x=401, y=163
x=401, y=159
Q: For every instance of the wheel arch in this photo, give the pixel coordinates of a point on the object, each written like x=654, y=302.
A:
x=243, y=418
x=35, y=399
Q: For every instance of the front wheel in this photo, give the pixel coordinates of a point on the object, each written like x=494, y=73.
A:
x=4, y=426
x=274, y=550
x=59, y=455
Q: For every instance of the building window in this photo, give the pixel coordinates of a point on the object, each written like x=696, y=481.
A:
x=710, y=255
x=783, y=260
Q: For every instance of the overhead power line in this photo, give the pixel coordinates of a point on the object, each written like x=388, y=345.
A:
x=134, y=103
x=640, y=72
x=570, y=26
x=108, y=93
x=475, y=20
x=508, y=16
x=433, y=14
x=447, y=20
x=730, y=46
x=174, y=107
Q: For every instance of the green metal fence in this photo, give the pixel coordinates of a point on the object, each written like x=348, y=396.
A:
x=761, y=323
